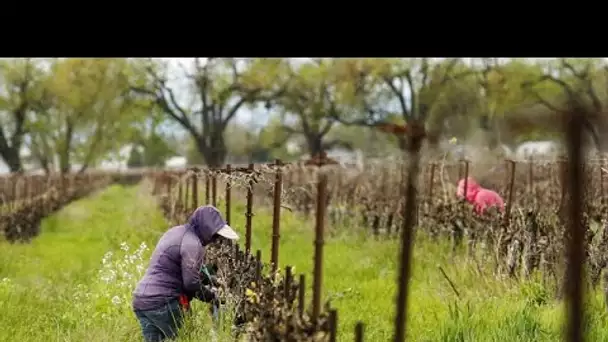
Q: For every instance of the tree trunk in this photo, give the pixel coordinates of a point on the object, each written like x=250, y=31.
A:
x=46, y=168
x=83, y=168
x=43, y=162
x=64, y=161
x=402, y=142
x=315, y=145
x=590, y=127
x=215, y=152
x=12, y=159
x=64, y=156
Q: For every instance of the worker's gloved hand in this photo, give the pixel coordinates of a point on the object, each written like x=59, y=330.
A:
x=206, y=294
x=212, y=268
x=208, y=277
x=210, y=281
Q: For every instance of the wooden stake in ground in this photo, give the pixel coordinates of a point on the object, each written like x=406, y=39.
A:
x=575, y=240
x=416, y=136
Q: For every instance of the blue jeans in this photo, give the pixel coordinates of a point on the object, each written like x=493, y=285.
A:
x=160, y=324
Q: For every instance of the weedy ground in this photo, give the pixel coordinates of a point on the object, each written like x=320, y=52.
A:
x=74, y=281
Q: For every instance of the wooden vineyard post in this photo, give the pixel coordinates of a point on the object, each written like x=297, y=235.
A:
x=207, y=187
x=359, y=328
x=258, y=269
x=531, y=175
x=180, y=194
x=432, y=182
x=301, y=295
x=214, y=188
x=466, y=181
x=186, y=193
x=276, y=216
x=333, y=325
x=319, y=242
x=602, y=166
x=27, y=190
x=249, y=214
x=511, y=183
x=228, y=193
x=416, y=137
x=194, y=189
x=288, y=282
x=169, y=187
x=237, y=255
x=575, y=248
x=460, y=171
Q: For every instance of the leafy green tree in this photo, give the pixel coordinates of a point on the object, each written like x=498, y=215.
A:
x=309, y=104
x=85, y=111
x=581, y=81
x=156, y=151
x=20, y=87
x=398, y=90
x=370, y=142
x=136, y=159
x=502, y=96
x=523, y=99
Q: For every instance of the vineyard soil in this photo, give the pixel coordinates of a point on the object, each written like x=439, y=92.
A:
x=65, y=286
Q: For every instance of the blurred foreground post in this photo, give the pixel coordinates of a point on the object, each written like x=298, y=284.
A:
x=319, y=241
x=416, y=136
x=575, y=233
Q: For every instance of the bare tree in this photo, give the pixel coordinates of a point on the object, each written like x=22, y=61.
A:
x=408, y=89
x=578, y=85
x=311, y=97
x=222, y=86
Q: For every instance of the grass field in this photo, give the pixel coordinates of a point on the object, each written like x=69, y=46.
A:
x=65, y=287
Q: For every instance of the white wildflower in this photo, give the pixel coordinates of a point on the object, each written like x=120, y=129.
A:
x=107, y=258
x=116, y=300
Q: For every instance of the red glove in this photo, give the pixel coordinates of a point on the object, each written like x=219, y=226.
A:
x=184, y=301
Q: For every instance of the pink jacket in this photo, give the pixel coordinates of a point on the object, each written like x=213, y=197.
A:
x=480, y=198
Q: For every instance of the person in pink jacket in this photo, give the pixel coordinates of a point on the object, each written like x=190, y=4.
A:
x=478, y=196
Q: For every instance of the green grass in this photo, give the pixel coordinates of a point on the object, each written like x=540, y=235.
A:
x=52, y=289
x=55, y=289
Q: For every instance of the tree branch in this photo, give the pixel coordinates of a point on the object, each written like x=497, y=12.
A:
x=584, y=77
x=390, y=82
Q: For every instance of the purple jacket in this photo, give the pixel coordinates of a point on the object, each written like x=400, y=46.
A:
x=177, y=259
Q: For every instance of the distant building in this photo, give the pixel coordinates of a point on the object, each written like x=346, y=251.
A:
x=345, y=156
x=546, y=149
x=177, y=162
x=3, y=167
